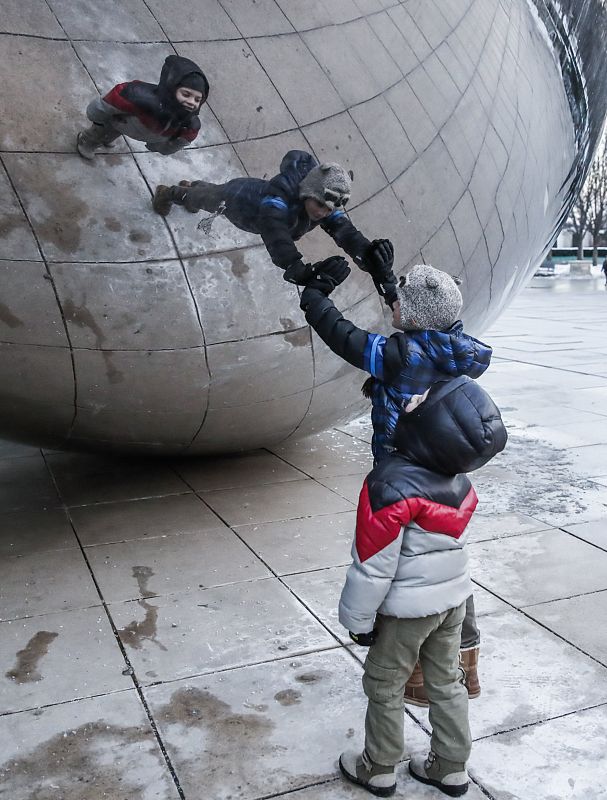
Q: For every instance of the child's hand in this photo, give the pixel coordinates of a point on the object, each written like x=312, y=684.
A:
x=364, y=639
x=380, y=258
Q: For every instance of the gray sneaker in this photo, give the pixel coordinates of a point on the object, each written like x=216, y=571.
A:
x=450, y=777
x=375, y=778
x=85, y=146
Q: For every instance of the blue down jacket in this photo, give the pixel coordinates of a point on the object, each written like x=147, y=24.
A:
x=408, y=556
x=402, y=365
x=274, y=210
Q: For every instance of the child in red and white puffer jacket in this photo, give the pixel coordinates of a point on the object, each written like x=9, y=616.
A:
x=164, y=116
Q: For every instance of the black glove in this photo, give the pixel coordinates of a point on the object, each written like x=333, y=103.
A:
x=364, y=639
x=379, y=259
x=299, y=273
x=389, y=291
x=329, y=273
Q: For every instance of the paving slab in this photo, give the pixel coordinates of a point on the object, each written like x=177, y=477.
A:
x=536, y=567
x=560, y=758
x=25, y=484
x=580, y=620
x=406, y=788
x=142, y=519
x=327, y=454
x=266, y=504
x=593, y=532
x=41, y=582
x=216, y=629
x=347, y=486
x=298, y=545
x=159, y=566
x=103, y=747
x=525, y=673
x=233, y=732
x=483, y=527
x=59, y=657
x=85, y=479
x=320, y=592
x=229, y=472
x=25, y=532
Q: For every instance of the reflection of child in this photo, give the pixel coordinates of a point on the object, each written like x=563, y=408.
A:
x=301, y=197
x=165, y=116
x=405, y=591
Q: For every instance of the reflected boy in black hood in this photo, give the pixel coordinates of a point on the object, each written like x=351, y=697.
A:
x=163, y=115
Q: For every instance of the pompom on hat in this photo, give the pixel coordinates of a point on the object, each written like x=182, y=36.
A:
x=429, y=299
x=330, y=184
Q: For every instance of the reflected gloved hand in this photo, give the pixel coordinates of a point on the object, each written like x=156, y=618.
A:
x=379, y=259
x=329, y=273
x=364, y=639
x=299, y=273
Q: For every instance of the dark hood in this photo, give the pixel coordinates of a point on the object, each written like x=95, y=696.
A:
x=174, y=70
x=457, y=429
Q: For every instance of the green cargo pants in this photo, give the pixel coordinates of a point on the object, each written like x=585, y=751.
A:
x=390, y=661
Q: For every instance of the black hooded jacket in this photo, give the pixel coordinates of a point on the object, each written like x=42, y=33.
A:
x=156, y=106
x=414, y=507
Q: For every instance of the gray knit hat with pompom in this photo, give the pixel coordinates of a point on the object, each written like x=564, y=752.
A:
x=428, y=299
x=327, y=183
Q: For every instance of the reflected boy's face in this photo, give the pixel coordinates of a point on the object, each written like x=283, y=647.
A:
x=315, y=209
x=415, y=401
x=189, y=98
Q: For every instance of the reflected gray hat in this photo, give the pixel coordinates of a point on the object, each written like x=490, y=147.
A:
x=329, y=184
x=428, y=299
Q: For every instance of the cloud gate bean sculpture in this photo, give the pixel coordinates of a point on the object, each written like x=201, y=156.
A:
x=468, y=126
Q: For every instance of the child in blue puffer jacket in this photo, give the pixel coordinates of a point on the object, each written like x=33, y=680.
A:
x=431, y=346
x=302, y=196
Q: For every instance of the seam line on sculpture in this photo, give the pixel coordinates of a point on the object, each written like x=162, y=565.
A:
x=168, y=40
x=54, y=289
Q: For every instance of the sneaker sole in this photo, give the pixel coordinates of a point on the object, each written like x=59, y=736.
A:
x=378, y=791
x=452, y=791
x=83, y=153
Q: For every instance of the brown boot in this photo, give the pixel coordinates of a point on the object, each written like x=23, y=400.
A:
x=468, y=661
x=162, y=200
x=415, y=692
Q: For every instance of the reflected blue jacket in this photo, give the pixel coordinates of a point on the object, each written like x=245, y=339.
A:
x=401, y=365
x=274, y=210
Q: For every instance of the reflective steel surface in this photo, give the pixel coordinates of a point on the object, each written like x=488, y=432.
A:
x=469, y=125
